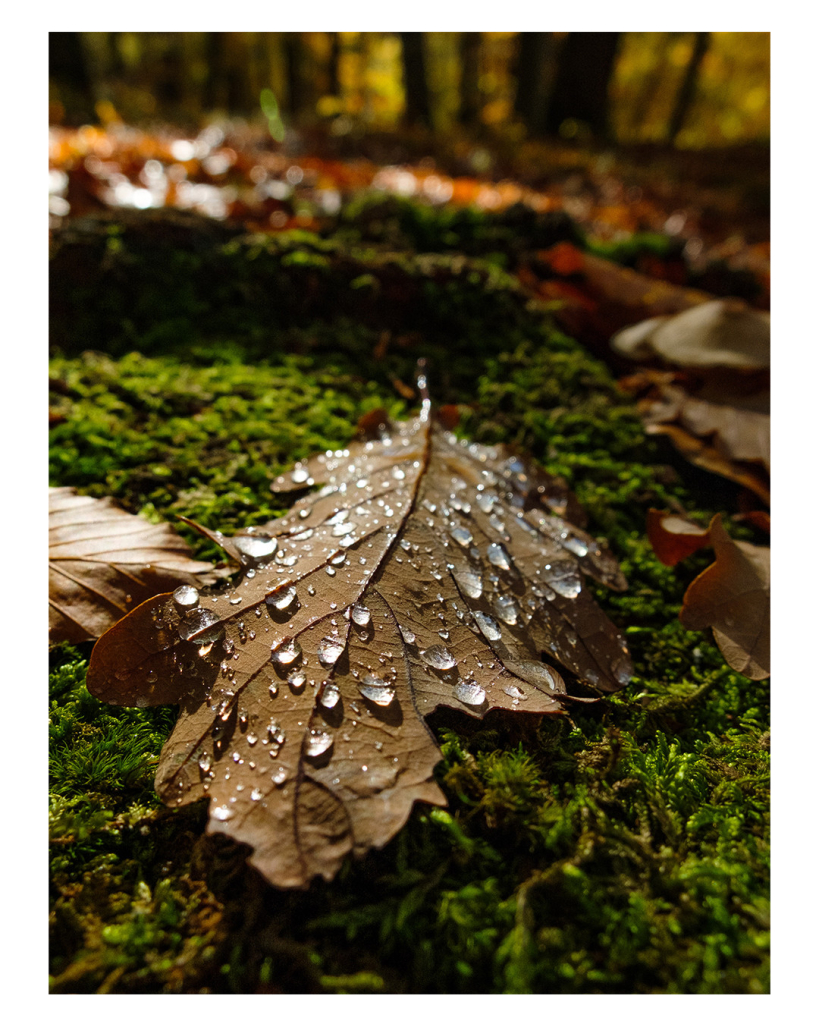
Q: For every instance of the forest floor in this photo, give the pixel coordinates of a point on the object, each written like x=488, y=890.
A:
x=621, y=849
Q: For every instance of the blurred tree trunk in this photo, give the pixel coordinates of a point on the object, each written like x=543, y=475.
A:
x=682, y=105
x=334, y=83
x=293, y=58
x=215, y=91
x=533, y=66
x=580, y=90
x=416, y=90
x=470, y=101
x=68, y=70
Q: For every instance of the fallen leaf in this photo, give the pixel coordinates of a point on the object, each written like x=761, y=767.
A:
x=423, y=572
x=103, y=562
x=598, y=297
x=722, y=332
x=707, y=457
x=732, y=596
x=674, y=538
x=756, y=517
x=730, y=437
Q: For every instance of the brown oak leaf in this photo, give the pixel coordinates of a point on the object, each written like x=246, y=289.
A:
x=419, y=572
x=103, y=561
x=732, y=596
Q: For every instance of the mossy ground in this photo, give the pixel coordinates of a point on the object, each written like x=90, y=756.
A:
x=622, y=849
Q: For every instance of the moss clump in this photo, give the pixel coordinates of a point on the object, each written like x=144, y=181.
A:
x=623, y=849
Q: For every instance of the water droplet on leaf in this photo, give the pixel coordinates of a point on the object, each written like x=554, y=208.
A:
x=376, y=689
x=317, y=742
x=487, y=626
x=438, y=657
x=330, y=650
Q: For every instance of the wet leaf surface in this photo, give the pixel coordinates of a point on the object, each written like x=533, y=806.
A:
x=732, y=597
x=419, y=572
x=103, y=562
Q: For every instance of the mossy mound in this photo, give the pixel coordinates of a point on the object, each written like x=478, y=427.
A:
x=623, y=849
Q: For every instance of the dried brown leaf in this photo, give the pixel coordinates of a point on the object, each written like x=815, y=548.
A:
x=738, y=434
x=732, y=596
x=722, y=332
x=707, y=457
x=103, y=562
x=422, y=573
x=674, y=538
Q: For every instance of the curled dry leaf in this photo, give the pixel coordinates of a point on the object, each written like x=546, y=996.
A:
x=421, y=573
x=722, y=332
x=598, y=297
x=732, y=596
x=674, y=538
x=738, y=433
x=103, y=562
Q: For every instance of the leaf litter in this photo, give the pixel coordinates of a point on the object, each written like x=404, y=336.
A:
x=733, y=597
x=419, y=572
x=103, y=561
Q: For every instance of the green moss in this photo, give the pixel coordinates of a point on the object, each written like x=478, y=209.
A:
x=621, y=849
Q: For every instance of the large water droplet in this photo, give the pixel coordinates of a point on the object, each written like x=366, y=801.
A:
x=564, y=579
x=330, y=695
x=222, y=813
x=576, y=546
x=622, y=673
x=360, y=615
x=256, y=546
x=539, y=675
x=286, y=653
x=438, y=657
x=299, y=475
x=470, y=583
x=317, y=742
x=330, y=650
x=470, y=693
x=296, y=679
x=499, y=556
x=515, y=692
x=461, y=536
x=284, y=598
x=205, y=761
x=186, y=598
x=376, y=689
x=487, y=626
x=280, y=777
x=407, y=634
x=486, y=501
x=506, y=609
x=341, y=529
x=201, y=626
